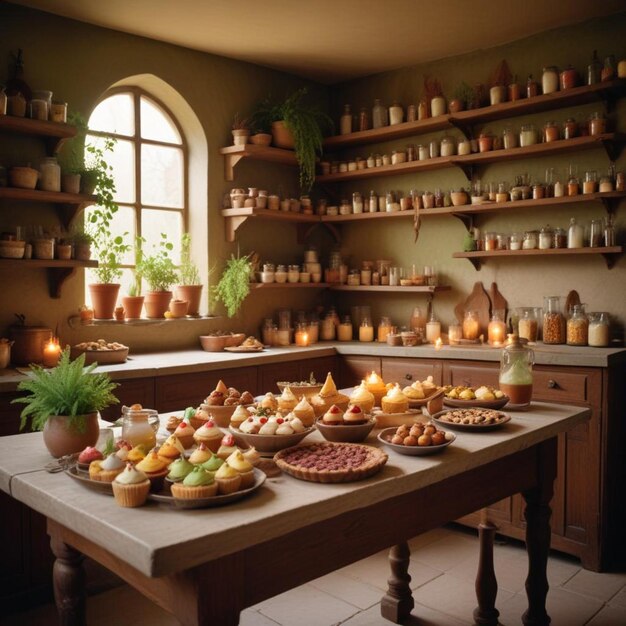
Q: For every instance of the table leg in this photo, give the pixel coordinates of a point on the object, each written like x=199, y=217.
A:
x=486, y=583
x=537, y=514
x=397, y=604
x=69, y=583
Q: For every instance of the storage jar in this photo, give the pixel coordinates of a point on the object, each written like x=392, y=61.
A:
x=598, y=331
x=553, y=321
x=577, y=327
x=550, y=79
x=50, y=174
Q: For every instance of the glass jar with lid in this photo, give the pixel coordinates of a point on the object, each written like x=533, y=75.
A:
x=267, y=275
x=448, y=147
x=559, y=239
x=598, y=331
x=502, y=241
x=553, y=321
x=528, y=135
x=516, y=372
x=464, y=146
x=531, y=240
x=50, y=174
x=509, y=138
x=570, y=128
x=345, y=208
x=139, y=426
x=357, y=202
x=471, y=325
x=293, y=274
x=528, y=323
x=515, y=241
x=550, y=79
x=545, y=237
x=577, y=327
x=354, y=278
x=597, y=124
x=550, y=132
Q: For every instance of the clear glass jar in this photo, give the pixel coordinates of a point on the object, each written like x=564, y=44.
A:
x=396, y=114
x=366, y=330
x=596, y=234
x=344, y=330
x=597, y=124
x=502, y=241
x=50, y=174
x=379, y=115
x=550, y=79
x=490, y=242
x=559, y=238
x=448, y=147
x=553, y=321
x=515, y=241
x=594, y=69
x=528, y=323
x=550, y=132
x=267, y=275
x=280, y=275
x=531, y=240
x=598, y=331
x=357, y=202
x=384, y=328
x=545, y=238
x=471, y=325
x=516, y=372
x=528, y=135
x=433, y=149
x=575, y=235
x=509, y=138
x=139, y=426
x=577, y=327
x=293, y=274
x=570, y=128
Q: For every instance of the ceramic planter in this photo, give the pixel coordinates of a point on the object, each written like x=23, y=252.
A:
x=70, y=183
x=28, y=343
x=132, y=306
x=156, y=303
x=61, y=439
x=178, y=308
x=240, y=136
x=261, y=139
x=454, y=106
x=282, y=136
x=82, y=251
x=104, y=299
x=63, y=251
x=191, y=293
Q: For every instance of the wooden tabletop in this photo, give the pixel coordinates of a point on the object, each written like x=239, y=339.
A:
x=158, y=540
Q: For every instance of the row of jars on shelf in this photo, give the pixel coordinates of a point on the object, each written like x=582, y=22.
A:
x=552, y=80
x=39, y=107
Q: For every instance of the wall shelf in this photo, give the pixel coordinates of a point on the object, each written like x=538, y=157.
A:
x=53, y=134
x=289, y=286
x=235, y=218
x=391, y=289
x=233, y=154
x=58, y=271
x=610, y=254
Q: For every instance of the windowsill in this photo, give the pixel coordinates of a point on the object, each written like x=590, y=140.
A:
x=75, y=322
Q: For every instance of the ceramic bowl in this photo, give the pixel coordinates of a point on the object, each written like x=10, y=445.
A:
x=12, y=249
x=385, y=437
x=269, y=443
x=213, y=343
x=102, y=357
x=345, y=433
x=300, y=390
x=261, y=139
x=23, y=177
x=458, y=198
x=234, y=340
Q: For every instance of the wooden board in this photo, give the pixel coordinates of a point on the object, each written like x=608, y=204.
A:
x=498, y=301
x=572, y=299
x=479, y=301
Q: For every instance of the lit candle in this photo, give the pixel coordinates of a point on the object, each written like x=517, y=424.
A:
x=438, y=343
x=433, y=330
x=302, y=338
x=455, y=333
x=51, y=353
x=366, y=331
x=496, y=332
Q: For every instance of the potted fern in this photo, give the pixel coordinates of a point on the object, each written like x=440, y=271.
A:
x=133, y=301
x=234, y=284
x=64, y=403
x=190, y=287
x=160, y=273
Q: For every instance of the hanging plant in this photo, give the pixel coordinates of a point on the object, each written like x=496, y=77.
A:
x=234, y=285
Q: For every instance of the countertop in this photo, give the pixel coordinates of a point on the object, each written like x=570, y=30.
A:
x=188, y=361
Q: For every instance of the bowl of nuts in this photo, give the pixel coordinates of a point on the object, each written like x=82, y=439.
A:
x=416, y=440
x=100, y=351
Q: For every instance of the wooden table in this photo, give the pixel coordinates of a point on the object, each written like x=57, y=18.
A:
x=205, y=566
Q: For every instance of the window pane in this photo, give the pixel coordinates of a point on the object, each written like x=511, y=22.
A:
x=122, y=160
x=114, y=115
x=156, y=123
x=161, y=176
x=154, y=222
x=123, y=222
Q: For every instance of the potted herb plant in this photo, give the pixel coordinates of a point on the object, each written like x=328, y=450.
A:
x=160, y=273
x=463, y=96
x=298, y=126
x=82, y=241
x=234, y=284
x=241, y=130
x=190, y=287
x=133, y=302
x=64, y=403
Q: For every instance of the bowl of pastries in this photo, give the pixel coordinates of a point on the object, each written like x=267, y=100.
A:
x=350, y=426
x=221, y=403
x=101, y=351
x=485, y=397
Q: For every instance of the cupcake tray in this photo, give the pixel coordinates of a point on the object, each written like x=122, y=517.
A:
x=165, y=497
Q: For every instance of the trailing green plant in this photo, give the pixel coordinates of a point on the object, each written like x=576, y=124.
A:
x=109, y=251
x=70, y=389
x=187, y=271
x=305, y=122
x=234, y=284
x=158, y=268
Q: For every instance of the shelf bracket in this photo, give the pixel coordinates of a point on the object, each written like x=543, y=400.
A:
x=610, y=204
x=613, y=148
x=475, y=261
x=466, y=129
x=304, y=230
x=230, y=161
x=56, y=277
x=231, y=225
x=467, y=169
x=610, y=258
x=466, y=218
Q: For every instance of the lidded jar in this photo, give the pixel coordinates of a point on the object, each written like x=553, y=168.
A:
x=516, y=372
x=139, y=426
x=550, y=79
x=598, y=331
x=553, y=321
x=577, y=327
x=471, y=325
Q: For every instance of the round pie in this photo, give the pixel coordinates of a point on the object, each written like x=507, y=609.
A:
x=331, y=462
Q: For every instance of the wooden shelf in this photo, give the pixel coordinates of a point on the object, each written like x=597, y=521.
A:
x=390, y=289
x=610, y=254
x=289, y=286
x=52, y=133
x=234, y=154
x=465, y=120
x=68, y=204
x=235, y=218
x=58, y=271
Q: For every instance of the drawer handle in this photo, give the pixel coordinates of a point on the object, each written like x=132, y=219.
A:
x=409, y=376
x=552, y=384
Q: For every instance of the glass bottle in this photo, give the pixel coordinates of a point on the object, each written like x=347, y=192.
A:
x=596, y=234
x=138, y=426
x=594, y=69
x=364, y=120
x=327, y=328
x=433, y=329
x=516, y=372
x=598, y=331
x=345, y=122
x=609, y=231
x=417, y=322
x=577, y=327
x=575, y=234
x=379, y=115
x=608, y=69
x=553, y=321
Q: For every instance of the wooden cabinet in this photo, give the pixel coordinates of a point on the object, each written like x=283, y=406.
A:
x=270, y=374
x=407, y=371
x=10, y=414
x=353, y=369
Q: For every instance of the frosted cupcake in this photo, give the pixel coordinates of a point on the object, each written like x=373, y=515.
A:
x=184, y=431
x=304, y=411
x=199, y=483
x=333, y=416
x=239, y=416
x=228, y=479
x=268, y=401
x=200, y=455
x=155, y=468
x=227, y=447
x=210, y=435
x=213, y=464
x=171, y=449
x=238, y=462
x=363, y=398
x=179, y=469
x=105, y=471
x=354, y=415
x=131, y=487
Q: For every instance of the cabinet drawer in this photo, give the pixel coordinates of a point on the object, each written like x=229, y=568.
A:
x=407, y=371
x=473, y=375
x=553, y=385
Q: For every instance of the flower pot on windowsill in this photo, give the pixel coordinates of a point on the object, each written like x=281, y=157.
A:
x=178, y=308
x=104, y=299
x=191, y=293
x=157, y=303
x=132, y=306
x=240, y=136
x=70, y=183
x=61, y=438
x=282, y=136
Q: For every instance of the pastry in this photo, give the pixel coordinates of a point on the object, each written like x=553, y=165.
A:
x=179, y=469
x=295, y=423
x=252, y=455
x=136, y=454
x=200, y=455
x=233, y=393
x=228, y=479
x=333, y=416
x=429, y=385
x=106, y=470
x=239, y=463
x=231, y=401
x=250, y=426
x=240, y=415
x=227, y=447
x=246, y=398
x=287, y=401
x=171, y=449
x=199, y=483
x=395, y=401
x=268, y=426
x=198, y=418
x=185, y=432
x=213, y=463
x=209, y=434
x=215, y=398
x=268, y=401
x=413, y=392
x=88, y=455
x=304, y=411
x=123, y=449
x=376, y=385
x=362, y=397
x=327, y=396
x=155, y=468
x=284, y=427
x=221, y=388
x=131, y=487
x=172, y=423
x=354, y=415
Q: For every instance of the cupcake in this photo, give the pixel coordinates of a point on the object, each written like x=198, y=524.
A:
x=287, y=401
x=179, y=469
x=395, y=401
x=228, y=479
x=376, y=386
x=200, y=454
x=239, y=415
x=213, y=463
x=171, y=449
x=136, y=454
x=199, y=483
x=268, y=401
x=184, y=431
x=123, y=450
x=227, y=447
x=131, y=487
x=354, y=415
x=414, y=391
x=198, y=418
x=88, y=455
x=304, y=411
x=106, y=470
x=333, y=416
x=172, y=423
x=251, y=455
x=155, y=468
x=238, y=462
x=429, y=386
x=363, y=398
x=209, y=434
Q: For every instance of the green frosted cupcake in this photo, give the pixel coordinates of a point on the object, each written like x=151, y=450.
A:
x=212, y=464
x=179, y=469
x=199, y=483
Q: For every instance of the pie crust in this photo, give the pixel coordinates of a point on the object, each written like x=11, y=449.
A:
x=329, y=462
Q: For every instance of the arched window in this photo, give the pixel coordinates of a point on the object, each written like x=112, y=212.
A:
x=150, y=168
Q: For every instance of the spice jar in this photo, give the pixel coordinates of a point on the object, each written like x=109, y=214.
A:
x=550, y=132
x=50, y=175
x=280, y=275
x=447, y=147
x=391, y=203
x=379, y=115
x=485, y=142
x=598, y=330
x=528, y=135
x=502, y=193
x=573, y=186
x=545, y=238
x=471, y=325
x=539, y=191
x=38, y=109
x=373, y=202
x=553, y=321
x=515, y=241
x=502, y=241
x=464, y=146
x=531, y=240
x=345, y=208
x=354, y=278
x=344, y=330
x=357, y=202
x=550, y=79
x=605, y=184
x=596, y=234
x=590, y=184
x=577, y=327
x=396, y=114
x=597, y=124
x=428, y=200
x=509, y=138
x=528, y=324
x=568, y=78
x=575, y=235
x=570, y=128
x=364, y=121
x=293, y=274
x=384, y=328
x=559, y=238
x=491, y=242
x=267, y=275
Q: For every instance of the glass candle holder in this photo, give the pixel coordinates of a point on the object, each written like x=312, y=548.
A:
x=366, y=330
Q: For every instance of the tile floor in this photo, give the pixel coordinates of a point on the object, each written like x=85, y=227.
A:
x=443, y=567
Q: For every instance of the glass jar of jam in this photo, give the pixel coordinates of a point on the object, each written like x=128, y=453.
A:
x=597, y=124
x=568, y=78
x=570, y=128
x=550, y=132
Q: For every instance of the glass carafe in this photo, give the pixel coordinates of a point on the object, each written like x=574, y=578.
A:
x=516, y=372
x=139, y=426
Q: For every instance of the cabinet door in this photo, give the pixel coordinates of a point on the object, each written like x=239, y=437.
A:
x=10, y=414
x=175, y=392
x=353, y=369
x=131, y=391
x=319, y=367
x=463, y=374
x=271, y=373
x=406, y=371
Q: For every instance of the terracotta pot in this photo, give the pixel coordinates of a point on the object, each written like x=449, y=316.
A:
x=63, y=251
x=82, y=251
x=261, y=139
x=191, y=293
x=454, y=106
x=70, y=183
x=282, y=136
x=178, y=308
x=132, y=306
x=156, y=303
x=240, y=136
x=104, y=299
x=61, y=439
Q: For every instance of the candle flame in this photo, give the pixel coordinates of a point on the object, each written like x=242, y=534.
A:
x=438, y=343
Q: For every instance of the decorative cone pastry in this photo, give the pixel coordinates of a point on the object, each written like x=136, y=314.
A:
x=304, y=411
x=222, y=388
x=363, y=398
x=287, y=400
x=327, y=396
